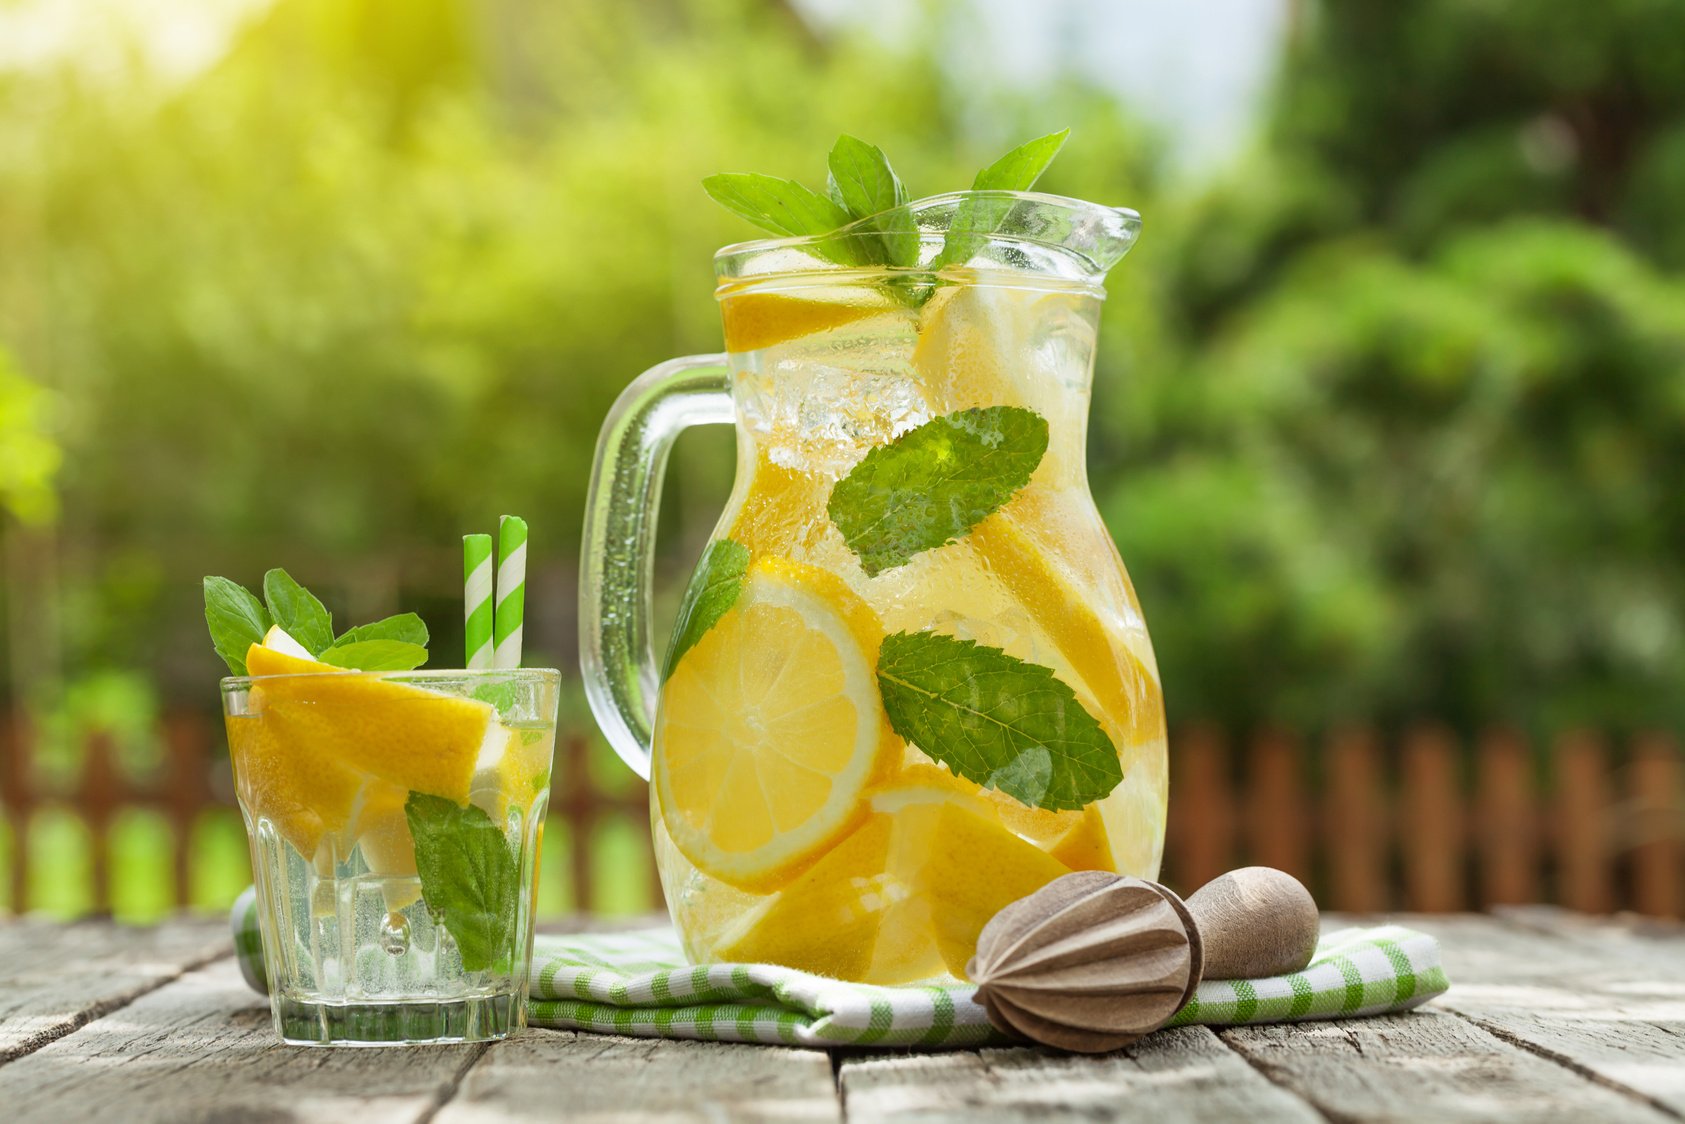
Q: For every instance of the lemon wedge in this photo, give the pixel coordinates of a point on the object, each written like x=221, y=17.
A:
x=278, y=639
x=902, y=897
x=783, y=510
x=827, y=920
x=407, y=736
x=1126, y=693
x=331, y=757
x=305, y=794
x=771, y=728
x=967, y=866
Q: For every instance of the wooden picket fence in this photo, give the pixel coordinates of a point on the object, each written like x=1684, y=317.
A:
x=1420, y=821
x=1429, y=822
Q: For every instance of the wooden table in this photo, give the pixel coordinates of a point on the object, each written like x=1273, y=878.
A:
x=1552, y=1015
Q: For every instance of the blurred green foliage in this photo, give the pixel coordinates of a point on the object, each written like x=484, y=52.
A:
x=1420, y=453
x=29, y=457
x=1388, y=414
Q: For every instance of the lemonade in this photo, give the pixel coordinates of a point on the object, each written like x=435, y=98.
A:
x=795, y=823
x=394, y=818
x=909, y=682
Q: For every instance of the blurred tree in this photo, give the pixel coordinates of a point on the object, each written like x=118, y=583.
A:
x=1424, y=460
x=1457, y=111
x=1445, y=488
x=1386, y=421
x=352, y=291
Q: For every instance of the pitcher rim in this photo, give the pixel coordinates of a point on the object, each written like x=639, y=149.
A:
x=1097, y=237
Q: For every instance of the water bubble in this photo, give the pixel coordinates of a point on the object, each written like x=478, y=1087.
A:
x=395, y=934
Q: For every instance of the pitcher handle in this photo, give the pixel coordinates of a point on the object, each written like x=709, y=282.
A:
x=617, y=555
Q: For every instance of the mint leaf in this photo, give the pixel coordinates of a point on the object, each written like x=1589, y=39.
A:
x=406, y=627
x=1019, y=169
x=862, y=181
x=297, y=611
x=781, y=206
x=376, y=655
x=397, y=643
x=996, y=720
x=978, y=217
x=712, y=592
x=469, y=876
x=786, y=207
x=933, y=484
x=504, y=694
x=237, y=620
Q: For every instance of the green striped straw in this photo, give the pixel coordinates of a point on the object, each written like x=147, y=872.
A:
x=476, y=599
x=511, y=591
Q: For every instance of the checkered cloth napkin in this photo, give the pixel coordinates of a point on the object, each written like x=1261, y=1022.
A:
x=639, y=983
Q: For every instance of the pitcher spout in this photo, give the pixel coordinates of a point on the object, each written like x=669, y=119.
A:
x=1072, y=238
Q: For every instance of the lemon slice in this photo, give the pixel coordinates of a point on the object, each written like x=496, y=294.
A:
x=902, y=897
x=771, y=728
x=965, y=355
x=757, y=320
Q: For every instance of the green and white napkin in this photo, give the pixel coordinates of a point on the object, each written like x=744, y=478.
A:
x=639, y=983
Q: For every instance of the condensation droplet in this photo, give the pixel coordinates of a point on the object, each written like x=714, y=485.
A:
x=395, y=934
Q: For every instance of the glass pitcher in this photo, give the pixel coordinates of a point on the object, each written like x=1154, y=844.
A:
x=909, y=681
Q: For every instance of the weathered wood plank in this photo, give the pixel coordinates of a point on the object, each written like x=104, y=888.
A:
x=54, y=977
x=1426, y=1065
x=1605, y=998
x=545, y=1074
x=202, y=1048
x=1183, y=1074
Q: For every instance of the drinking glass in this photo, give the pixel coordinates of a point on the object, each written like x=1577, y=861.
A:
x=394, y=820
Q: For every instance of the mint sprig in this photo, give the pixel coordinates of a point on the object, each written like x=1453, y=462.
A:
x=712, y=591
x=1019, y=169
x=996, y=720
x=934, y=483
x=469, y=876
x=860, y=179
x=863, y=188
x=237, y=620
